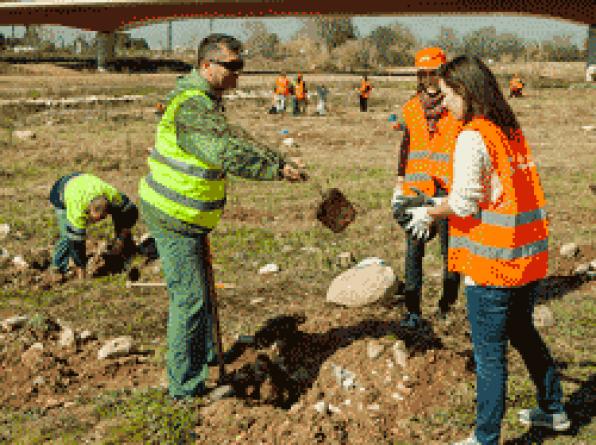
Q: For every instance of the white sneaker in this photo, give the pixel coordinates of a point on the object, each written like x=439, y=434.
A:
x=469, y=441
x=537, y=417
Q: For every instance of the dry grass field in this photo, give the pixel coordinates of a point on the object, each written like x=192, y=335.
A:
x=70, y=397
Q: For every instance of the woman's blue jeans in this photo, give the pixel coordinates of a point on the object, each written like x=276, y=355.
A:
x=499, y=314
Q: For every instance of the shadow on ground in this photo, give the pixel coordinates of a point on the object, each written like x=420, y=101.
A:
x=280, y=381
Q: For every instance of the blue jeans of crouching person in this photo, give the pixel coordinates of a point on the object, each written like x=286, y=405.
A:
x=498, y=315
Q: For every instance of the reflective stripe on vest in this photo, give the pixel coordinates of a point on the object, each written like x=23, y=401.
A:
x=188, y=169
x=499, y=253
x=180, y=184
x=184, y=200
x=506, y=242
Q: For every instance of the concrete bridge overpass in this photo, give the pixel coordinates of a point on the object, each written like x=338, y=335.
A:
x=107, y=16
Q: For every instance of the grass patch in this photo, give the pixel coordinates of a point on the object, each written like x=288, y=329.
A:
x=147, y=416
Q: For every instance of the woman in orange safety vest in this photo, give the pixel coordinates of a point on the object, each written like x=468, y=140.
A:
x=499, y=242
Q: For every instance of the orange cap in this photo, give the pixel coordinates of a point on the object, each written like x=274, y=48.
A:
x=430, y=58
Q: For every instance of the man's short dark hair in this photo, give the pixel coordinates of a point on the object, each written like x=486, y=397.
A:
x=213, y=42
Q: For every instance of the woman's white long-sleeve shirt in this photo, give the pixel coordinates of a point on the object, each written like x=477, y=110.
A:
x=474, y=179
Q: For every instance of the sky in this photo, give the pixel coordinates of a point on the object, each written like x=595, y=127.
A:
x=425, y=28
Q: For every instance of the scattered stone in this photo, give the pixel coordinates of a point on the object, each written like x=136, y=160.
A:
x=345, y=260
x=67, y=337
x=24, y=134
x=116, y=347
x=321, y=407
x=582, y=269
x=69, y=404
x=288, y=142
x=400, y=354
x=374, y=349
x=19, y=261
x=543, y=317
x=4, y=231
x=38, y=381
x=257, y=300
x=53, y=403
x=333, y=409
x=593, y=264
x=569, y=250
x=588, y=127
x=374, y=407
x=33, y=356
x=221, y=392
x=269, y=268
x=344, y=377
x=12, y=323
x=397, y=396
x=86, y=335
x=360, y=286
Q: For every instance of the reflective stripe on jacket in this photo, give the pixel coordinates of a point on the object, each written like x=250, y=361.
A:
x=180, y=184
x=506, y=242
x=429, y=159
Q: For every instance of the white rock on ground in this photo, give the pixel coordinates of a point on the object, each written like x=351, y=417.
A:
x=12, y=323
x=86, y=335
x=582, y=269
x=269, y=268
x=543, y=316
x=67, y=337
x=4, y=231
x=116, y=347
x=24, y=134
x=593, y=265
x=569, y=250
x=320, y=407
x=19, y=261
x=400, y=354
x=359, y=286
x=374, y=349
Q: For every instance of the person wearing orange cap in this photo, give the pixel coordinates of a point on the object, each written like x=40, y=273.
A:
x=364, y=91
x=424, y=164
x=515, y=86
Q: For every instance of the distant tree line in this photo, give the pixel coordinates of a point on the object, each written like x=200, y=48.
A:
x=334, y=43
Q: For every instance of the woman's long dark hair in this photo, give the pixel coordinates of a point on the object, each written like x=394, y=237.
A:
x=472, y=79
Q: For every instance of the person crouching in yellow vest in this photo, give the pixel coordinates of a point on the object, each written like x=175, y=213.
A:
x=498, y=239
x=425, y=164
x=81, y=199
x=183, y=196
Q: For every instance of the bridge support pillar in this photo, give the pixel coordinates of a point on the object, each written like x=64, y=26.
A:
x=105, y=49
x=591, y=63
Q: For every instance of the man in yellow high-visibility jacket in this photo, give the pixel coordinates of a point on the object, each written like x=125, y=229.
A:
x=183, y=196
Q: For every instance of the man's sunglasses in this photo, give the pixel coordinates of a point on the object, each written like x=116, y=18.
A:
x=231, y=65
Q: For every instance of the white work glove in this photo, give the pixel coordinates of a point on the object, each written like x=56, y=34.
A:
x=420, y=223
x=438, y=201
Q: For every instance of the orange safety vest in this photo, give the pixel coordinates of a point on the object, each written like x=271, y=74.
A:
x=506, y=243
x=515, y=84
x=300, y=90
x=365, y=89
x=429, y=158
x=282, y=86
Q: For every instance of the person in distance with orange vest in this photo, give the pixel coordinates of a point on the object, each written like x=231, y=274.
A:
x=425, y=164
x=281, y=92
x=516, y=86
x=364, y=92
x=300, y=93
x=498, y=239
